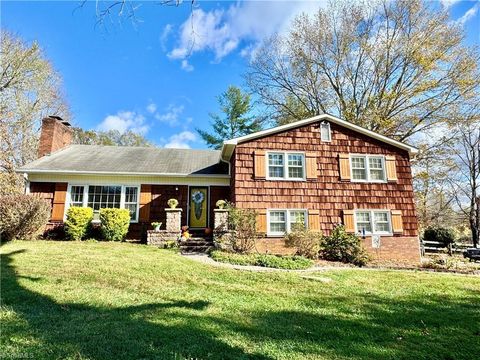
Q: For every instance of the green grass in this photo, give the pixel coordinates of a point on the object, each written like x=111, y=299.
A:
x=72, y=300
x=265, y=260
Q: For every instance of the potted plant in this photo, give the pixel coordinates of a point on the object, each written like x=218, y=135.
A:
x=156, y=225
x=185, y=234
x=221, y=204
x=172, y=203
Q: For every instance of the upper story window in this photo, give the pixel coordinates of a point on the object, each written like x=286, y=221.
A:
x=325, y=133
x=105, y=196
x=284, y=165
x=373, y=222
x=368, y=168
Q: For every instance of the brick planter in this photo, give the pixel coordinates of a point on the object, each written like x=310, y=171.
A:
x=158, y=238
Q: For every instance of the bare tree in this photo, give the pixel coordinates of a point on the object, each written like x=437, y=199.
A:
x=30, y=89
x=396, y=67
x=466, y=178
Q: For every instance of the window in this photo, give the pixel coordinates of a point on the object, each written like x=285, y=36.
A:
x=325, y=133
x=282, y=221
x=275, y=165
x=76, y=196
x=131, y=196
x=373, y=221
x=105, y=196
x=368, y=168
x=286, y=166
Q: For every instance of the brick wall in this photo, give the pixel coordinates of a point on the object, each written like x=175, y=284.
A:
x=54, y=136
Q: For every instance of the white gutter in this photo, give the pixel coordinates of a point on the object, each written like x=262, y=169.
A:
x=116, y=173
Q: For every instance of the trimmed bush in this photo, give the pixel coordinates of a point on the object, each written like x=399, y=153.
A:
x=344, y=247
x=306, y=242
x=265, y=260
x=78, y=222
x=114, y=223
x=443, y=235
x=23, y=216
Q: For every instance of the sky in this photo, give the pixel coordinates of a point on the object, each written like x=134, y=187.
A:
x=146, y=74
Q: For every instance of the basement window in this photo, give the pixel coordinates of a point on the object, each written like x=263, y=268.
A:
x=282, y=221
x=369, y=222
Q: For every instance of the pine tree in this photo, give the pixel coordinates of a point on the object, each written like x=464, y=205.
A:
x=234, y=120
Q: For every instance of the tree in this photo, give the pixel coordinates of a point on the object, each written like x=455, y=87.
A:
x=235, y=106
x=111, y=137
x=30, y=89
x=395, y=67
x=466, y=177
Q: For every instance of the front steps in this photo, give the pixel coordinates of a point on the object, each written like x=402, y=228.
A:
x=196, y=245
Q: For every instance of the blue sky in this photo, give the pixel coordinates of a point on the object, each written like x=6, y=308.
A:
x=148, y=76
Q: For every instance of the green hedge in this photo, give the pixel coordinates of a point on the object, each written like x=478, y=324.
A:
x=78, y=222
x=114, y=223
x=271, y=261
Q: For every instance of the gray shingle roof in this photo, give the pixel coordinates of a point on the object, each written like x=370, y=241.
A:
x=125, y=160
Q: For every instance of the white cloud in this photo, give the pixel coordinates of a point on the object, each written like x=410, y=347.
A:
x=123, y=121
x=186, y=65
x=181, y=140
x=167, y=30
x=471, y=13
x=151, y=108
x=448, y=3
x=172, y=114
x=222, y=31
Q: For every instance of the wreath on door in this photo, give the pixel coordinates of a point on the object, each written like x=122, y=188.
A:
x=197, y=198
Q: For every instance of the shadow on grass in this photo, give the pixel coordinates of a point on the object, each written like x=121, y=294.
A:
x=366, y=326
x=132, y=332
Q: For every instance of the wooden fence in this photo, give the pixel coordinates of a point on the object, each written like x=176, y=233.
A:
x=436, y=247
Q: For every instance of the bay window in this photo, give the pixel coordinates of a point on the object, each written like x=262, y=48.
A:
x=286, y=166
x=105, y=196
x=283, y=221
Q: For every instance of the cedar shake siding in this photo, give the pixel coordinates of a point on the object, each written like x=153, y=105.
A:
x=325, y=191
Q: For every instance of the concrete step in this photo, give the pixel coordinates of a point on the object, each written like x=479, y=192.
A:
x=201, y=249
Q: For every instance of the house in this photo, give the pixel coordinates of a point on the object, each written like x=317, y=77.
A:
x=322, y=169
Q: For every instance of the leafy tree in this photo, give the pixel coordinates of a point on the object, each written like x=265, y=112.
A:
x=30, y=90
x=111, y=137
x=235, y=121
x=396, y=67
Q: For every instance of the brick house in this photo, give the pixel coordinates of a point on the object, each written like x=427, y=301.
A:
x=323, y=170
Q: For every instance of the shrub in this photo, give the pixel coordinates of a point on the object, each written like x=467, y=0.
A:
x=443, y=235
x=306, y=242
x=344, y=247
x=23, y=216
x=78, y=222
x=243, y=223
x=265, y=260
x=114, y=223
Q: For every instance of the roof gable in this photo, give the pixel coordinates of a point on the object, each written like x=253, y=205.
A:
x=229, y=145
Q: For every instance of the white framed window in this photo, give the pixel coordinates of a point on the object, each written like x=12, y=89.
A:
x=105, y=196
x=286, y=166
x=280, y=222
x=373, y=222
x=368, y=168
x=325, y=132
x=76, y=195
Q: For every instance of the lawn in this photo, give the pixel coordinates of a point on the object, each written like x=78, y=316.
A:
x=71, y=300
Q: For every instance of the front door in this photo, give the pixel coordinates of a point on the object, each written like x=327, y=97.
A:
x=198, y=212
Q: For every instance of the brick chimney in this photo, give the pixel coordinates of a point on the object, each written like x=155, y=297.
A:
x=56, y=134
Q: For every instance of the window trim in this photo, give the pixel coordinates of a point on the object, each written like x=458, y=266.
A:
x=323, y=123
x=367, y=168
x=285, y=165
x=85, y=197
x=287, y=221
x=372, y=222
